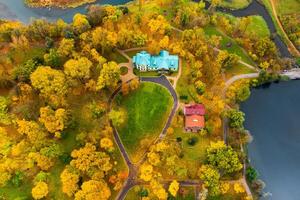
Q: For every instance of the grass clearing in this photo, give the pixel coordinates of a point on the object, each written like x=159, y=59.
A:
x=185, y=88
x=284, y=7
x=235, y=4
x=234, y=48
x=147, y=111
x=115, y=56
x=132, y=53
x=196, y=153
x=259, y=26
x=238, y=69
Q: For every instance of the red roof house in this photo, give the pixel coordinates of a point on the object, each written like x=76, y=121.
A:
x=194, y=117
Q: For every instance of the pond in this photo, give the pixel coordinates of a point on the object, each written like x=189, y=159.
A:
x=273, y=118
x=15, y=9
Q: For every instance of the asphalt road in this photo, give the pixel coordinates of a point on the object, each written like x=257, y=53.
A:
x=133, y=169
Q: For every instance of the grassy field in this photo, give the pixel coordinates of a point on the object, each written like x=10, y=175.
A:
x=235, y=4
x=147, y=110
x=234, y=48
x=284, y=7
x=238, y=69
x=196, y=153
x=184, y=86
x=115, y=56
x=259, y=26
x=132, y=53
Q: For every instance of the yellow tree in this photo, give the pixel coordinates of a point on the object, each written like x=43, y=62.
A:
x=91, y=190
x=210, y=177
x=173, y=188
x=66, y=47
x=109, y=76
x=125, y=89
x=107, y=144
x=80, y=23
x=158, y=190
x=104, y=39
x=42, y=161
x=40, y=190
x=87, y=158
x=78, y=68
x=49, y=81
x=69, y=182
x=32, y=130
x=134, y=84
x=54, y=121
x=146, y=172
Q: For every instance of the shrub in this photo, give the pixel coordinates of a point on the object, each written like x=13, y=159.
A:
x=251, y=174
x=192, y=141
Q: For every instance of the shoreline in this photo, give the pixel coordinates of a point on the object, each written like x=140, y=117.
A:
x=58, y=6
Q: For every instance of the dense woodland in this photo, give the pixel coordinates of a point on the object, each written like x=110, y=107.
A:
x=56, y=78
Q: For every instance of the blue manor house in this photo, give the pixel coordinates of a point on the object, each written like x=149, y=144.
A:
x=161, y=62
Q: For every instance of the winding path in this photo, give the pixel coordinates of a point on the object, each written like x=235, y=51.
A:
x=133, y=169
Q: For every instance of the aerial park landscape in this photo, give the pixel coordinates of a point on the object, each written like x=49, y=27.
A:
x=149, y=99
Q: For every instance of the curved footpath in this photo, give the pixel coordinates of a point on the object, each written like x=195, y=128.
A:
x=133, y=169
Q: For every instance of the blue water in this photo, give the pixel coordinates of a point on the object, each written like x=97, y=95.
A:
x=273, y=118
x=15, y=9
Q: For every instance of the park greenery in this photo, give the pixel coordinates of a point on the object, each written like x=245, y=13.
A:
x=56, y=84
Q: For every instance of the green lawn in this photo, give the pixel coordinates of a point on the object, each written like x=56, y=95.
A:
x=184, y=87
x=259, y=26
x=194, y=153
x=238, y=69
x=234, y=48
x=284, y=7
x=132, y=53
x=147, y=110
x=115, y=56
x=235, y=4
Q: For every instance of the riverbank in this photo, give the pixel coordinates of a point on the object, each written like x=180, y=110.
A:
x=64, y=4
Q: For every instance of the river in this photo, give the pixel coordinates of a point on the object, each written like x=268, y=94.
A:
x=16, y=10
x=272, y=116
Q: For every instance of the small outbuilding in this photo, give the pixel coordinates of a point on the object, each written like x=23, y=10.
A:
x=194, y=117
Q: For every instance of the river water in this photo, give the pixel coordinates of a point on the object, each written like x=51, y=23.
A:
x=15, y=9
x=273, y=118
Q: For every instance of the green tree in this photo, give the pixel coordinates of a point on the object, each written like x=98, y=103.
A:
x=236, y=118
x=243, y=93
x=117, y=117
x=223, y=157
x=53, y=59
x=22, y=72
x=251, y=174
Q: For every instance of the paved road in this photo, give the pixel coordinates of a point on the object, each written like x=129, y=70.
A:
x=133, y=169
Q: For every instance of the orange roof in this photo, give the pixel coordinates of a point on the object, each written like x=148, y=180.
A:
x=194, y=121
